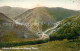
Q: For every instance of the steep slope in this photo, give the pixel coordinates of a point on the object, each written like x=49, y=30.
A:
x=69, y=28
x=62, y=13
x=40, y=18
x=9, y=30
x=36, y=18
x=5, y=19
x=12, y=12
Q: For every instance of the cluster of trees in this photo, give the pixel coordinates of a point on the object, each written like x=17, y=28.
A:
x=66, y=33
x=69, y=29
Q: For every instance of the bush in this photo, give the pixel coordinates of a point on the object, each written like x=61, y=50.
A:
x=11, y=44
x=67, y=32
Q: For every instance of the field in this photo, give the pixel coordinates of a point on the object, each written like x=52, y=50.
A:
x=63, y=45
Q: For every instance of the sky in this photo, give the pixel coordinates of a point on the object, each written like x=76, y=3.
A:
x=69, y=4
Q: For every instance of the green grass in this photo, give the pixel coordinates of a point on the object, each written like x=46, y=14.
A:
x=63, y=45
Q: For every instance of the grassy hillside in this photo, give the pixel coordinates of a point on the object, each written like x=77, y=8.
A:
x=46, y=16
x=12, y=12
x=68, y=29
x=11, y=32
x=64, y=45
x=61, y=13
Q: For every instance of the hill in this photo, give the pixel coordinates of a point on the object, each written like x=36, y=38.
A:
x=37, y=19
x=12, y=12
x=46, y=16
x=62, y=13
x=9, y=30
x=69, y=28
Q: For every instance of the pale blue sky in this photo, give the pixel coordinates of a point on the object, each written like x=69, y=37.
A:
x=70, y=4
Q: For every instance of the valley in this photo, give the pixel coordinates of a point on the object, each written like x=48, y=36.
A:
x=48, y=29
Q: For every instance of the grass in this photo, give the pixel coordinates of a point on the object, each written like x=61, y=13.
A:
x=63, y=45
